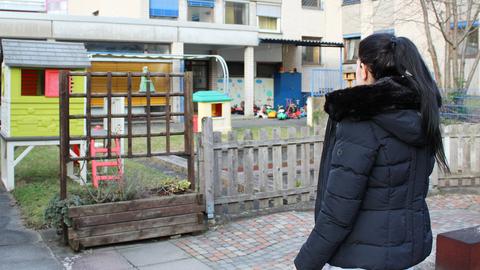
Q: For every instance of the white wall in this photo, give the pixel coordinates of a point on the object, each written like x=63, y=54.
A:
x=263, y=53
x=298, y=22
x=110, y=8
x=82, y=28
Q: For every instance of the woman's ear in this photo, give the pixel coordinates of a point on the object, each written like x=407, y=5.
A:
x=364, y=73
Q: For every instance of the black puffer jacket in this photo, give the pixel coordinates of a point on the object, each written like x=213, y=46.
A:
x=370, y=210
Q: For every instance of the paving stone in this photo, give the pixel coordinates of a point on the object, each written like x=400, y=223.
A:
x=21, y=248
x=185, y=264
x=273, y=241
x=102, y=260
x=155, y=253
x=26, y=256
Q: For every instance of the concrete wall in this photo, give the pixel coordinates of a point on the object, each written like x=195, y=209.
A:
x=42, y=26
x=263, y=53
x=351, y=20
x=298, y=22
x=110, y=8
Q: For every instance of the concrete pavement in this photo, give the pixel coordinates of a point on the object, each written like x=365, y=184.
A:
x=264, y=242
x=20, y=248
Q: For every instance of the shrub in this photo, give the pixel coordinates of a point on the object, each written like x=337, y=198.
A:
x=57, y=210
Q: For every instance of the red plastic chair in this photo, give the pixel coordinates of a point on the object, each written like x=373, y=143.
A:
x=96, y=164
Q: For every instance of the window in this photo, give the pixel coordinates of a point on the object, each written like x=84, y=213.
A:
x=313, y=4
x=163, y=8
x=351, y=49
x=267, y=70
x=33, y=82
x=236, y=69
x=200, y=14
x=350, y=2
x=268, y=17
x=26, y=6
x=200, y=10
x=311, y=55
x=236, y=13
x=385, y=31
x=217, y=110
x=472, y=45
x=39, y=82
x=127, y=47
x=57, y=7
x=268, y=23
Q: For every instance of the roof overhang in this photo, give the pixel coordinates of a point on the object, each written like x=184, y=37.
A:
x=307, y=43
x=44, y=54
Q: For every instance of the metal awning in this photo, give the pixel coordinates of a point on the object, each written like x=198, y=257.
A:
x=94, y=56
x=308, y=43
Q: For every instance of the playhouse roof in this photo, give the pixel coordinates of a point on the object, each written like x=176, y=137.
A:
x=210, y=96
x=44, y=54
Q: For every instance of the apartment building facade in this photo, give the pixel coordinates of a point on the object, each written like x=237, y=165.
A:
x=402, y=18
x=240, y=31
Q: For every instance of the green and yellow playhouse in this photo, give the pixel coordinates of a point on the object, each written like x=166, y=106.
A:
x=29, y=97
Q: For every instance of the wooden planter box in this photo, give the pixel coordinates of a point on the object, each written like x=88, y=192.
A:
x=110, y=223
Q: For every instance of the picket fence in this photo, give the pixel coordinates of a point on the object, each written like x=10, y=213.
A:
x=275, y=172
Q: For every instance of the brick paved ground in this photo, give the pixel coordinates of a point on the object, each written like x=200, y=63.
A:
x=266, y=242
x=271, y=242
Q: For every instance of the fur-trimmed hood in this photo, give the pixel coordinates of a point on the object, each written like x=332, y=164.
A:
x=389, y=102
x=365, y=101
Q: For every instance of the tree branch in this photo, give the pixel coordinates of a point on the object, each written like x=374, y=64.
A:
x=472, y=71
x=439, y=22
x=431, y=47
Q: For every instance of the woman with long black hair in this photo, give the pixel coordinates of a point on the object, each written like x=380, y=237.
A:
x=381, y=142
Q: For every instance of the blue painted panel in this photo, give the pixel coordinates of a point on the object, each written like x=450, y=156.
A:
x=201, y=3
x=288, y=86
x=164, y=8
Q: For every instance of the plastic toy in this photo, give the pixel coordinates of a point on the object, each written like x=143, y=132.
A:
x=30, y=98
x=281, y=115
x=216, y=105
x=303, y=112
x=292, y=111
x=261, y=113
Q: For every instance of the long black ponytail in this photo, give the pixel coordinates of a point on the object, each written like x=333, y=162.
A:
x=386, y=55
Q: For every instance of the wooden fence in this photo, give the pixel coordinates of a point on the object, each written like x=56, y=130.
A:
x=269, y=172
x=462, y=148
x=277, y=173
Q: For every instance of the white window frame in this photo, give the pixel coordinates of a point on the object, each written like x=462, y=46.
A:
x=236, y=1
x=188, y=15
x=345, y=56
x=278, y=30
x=320, y=7
x=320, y=52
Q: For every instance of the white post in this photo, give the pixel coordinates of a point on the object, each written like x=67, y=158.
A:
x=3, y=161
x=177, y=83
x=249, y=64
x=70, y=171
x=182, y=11
x=84, y=164
x=8, y=160
x=434, y=178
x=310, y=111
x=252, y=13
x=219, y=11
